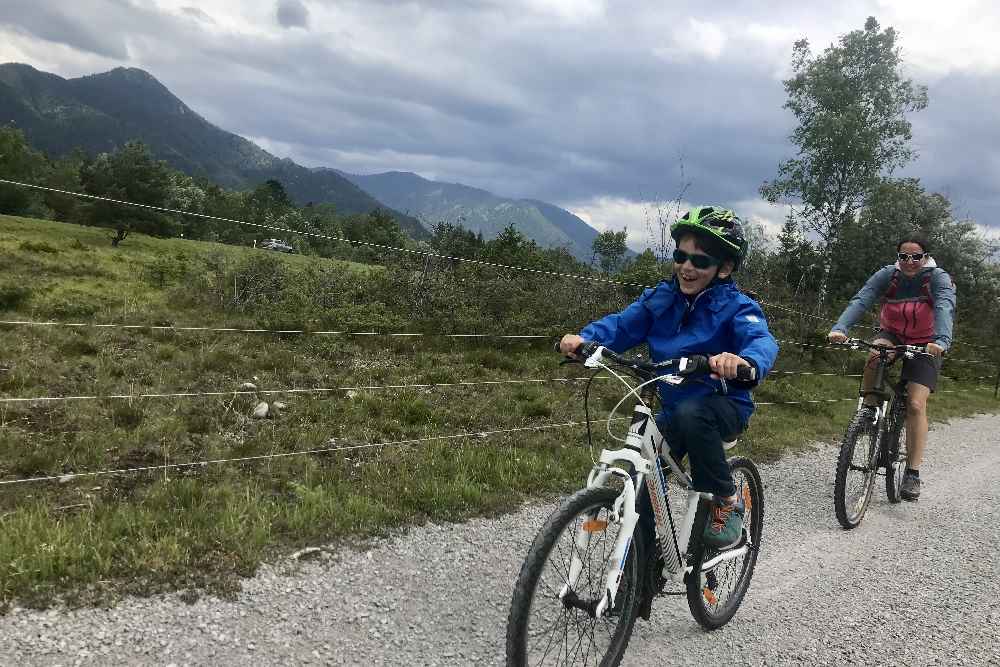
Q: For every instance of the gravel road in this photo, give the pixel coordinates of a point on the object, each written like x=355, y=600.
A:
x=915, y=584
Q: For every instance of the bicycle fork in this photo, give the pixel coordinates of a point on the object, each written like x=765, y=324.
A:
x=625, y=515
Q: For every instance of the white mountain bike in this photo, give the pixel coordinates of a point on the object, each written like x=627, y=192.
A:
x=592, y=570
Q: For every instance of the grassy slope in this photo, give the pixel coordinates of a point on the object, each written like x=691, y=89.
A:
x=95, y=537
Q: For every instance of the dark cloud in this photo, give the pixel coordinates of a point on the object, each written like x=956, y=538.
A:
x=958, y=140
x=63, y=24
x=292, y=14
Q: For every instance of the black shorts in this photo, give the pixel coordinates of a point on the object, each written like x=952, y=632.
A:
x=920, y=369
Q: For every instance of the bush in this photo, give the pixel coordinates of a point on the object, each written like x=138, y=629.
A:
x=127, y=415
x=38, y=246
x=13, y=296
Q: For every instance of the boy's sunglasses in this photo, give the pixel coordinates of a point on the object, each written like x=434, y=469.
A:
x=699, y=261
x=915, y=257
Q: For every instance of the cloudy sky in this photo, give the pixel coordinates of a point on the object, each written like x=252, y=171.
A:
x=590, y=104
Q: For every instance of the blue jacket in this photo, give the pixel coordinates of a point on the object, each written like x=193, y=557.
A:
x=720, y=319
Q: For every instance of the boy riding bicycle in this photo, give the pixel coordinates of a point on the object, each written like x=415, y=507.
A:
x=918, y=307
x=699, y=311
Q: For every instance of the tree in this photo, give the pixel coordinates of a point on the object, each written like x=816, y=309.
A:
x=609, y=249
x=851, y=103
x=18, y=162
x=64, y=175
x=129, y=174
x=267, y=202
x=643, y=270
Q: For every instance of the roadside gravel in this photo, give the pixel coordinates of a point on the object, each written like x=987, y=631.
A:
x=915, y=584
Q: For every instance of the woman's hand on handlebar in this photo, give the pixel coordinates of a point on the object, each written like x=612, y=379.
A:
x=569, y=344
x=836, y=337
x=724, y=365
x=935, y=349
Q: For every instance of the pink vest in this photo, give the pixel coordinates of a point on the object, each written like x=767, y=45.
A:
x=911, y=318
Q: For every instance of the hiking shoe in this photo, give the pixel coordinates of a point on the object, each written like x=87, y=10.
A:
x=910, y=488
x=725, y=524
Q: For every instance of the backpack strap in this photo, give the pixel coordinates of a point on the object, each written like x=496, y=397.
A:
x=925, y=286
x=890, y=291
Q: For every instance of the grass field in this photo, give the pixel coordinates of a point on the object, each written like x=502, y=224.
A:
x=88, y=539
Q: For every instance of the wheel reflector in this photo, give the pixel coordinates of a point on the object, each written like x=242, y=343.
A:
x=595, y=525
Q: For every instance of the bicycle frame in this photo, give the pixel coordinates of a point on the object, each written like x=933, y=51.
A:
x=886, y=394
x=642, y=443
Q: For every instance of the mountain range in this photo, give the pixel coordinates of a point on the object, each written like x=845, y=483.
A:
x=101, y=112
x=478, y=210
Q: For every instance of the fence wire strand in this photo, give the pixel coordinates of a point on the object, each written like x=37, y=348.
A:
x=67, y=477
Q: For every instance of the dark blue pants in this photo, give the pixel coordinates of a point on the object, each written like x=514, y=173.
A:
x=697, y=428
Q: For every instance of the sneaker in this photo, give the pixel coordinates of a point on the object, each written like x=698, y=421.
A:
x=725, y=524
x=910, y=488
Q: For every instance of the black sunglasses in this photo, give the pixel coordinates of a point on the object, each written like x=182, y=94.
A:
x=699, y=261
x=915, y=257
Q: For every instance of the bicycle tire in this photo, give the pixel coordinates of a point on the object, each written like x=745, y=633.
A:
x=850, y=513
x=895, y=458
x=525, y=604
x=704, y=596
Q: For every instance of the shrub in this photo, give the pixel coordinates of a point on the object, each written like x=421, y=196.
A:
x=38, y=246
x=13, y=296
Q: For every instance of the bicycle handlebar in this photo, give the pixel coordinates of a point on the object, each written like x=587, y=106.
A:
x=688, y=366
x=856, y=343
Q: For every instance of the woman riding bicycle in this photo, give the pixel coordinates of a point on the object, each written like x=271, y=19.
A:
x=699, y=311
x=918, y=307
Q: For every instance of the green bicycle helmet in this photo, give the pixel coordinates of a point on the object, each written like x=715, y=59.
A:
x=716, y=223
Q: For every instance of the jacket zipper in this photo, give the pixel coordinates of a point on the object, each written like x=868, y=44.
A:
x=689, y=307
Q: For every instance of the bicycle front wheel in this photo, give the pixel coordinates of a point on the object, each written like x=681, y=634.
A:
x=715, y=593
x=856, y=467
x=552, y=622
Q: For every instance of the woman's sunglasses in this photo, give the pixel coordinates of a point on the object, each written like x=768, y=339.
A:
x=915, y=257
x=699, y=261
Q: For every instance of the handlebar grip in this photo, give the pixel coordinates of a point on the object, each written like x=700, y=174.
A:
x=584, y=349
x=696, y=364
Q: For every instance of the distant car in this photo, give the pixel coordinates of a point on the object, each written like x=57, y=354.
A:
x=275, y=244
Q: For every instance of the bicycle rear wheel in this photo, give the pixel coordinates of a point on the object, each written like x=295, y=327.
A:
x=856, y=467
x=549, y=627
x=716, y=593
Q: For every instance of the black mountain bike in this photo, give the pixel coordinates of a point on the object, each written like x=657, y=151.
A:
x=873, y=439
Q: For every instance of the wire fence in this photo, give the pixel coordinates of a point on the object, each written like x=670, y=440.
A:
x=333, y=448
x=380, y=246
x=257, y=393
x=332, y=390
x=304, y=332
x=387, y=334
